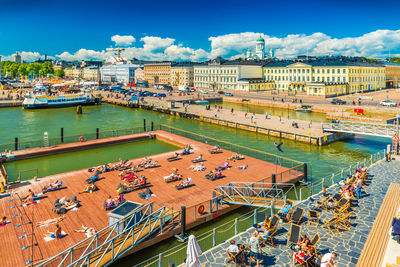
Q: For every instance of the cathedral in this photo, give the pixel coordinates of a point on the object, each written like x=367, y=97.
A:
x=260, y=52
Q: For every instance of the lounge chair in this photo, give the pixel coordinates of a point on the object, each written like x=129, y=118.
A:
x=239, y=259
x=294, y=235
x=121, y=200
x=273, y=230
x=152, y=165
x=173, y=178
x=223, y=166
x=296, y=216
x=309, y=262
x=49, y=189
x=215, y=151
x=188, y=184
x=313, y=218
x=198, y=159
x=121, y=189
x=313, y=243
x=92, y=179
x=174, y=158
x=214, y=177
x=323, y=203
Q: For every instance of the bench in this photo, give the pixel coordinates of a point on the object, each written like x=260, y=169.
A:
x=374, y=249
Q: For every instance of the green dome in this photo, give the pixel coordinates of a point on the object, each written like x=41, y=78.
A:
x=260, y=39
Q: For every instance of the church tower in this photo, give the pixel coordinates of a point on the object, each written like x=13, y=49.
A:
x=260, y=48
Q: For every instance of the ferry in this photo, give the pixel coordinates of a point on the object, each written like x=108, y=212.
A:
x=32, y=101
x=304, y=108
x=201, y=102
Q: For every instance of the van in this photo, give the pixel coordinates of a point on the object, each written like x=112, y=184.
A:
x=183, y=88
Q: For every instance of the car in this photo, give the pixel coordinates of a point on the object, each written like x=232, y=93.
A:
x=203, y=91
x=221, y=92
x=338, y=101
x=160, y=95
x=228, y=94
x=388, y=103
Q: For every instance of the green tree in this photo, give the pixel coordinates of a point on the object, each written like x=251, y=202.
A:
x=59, y=73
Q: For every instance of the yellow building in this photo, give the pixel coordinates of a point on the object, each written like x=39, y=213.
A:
x=255, y=85
x=325, y=76
x=91, y=74
x=392, y=74
x=182, y=74
x=73, y=72
x=139, y=74
x=158, y=73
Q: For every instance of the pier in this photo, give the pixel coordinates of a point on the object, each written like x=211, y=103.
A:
x=91, y=212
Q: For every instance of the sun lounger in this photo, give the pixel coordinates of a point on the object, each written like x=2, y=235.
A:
x=48, y=189
x=188, y=184
x=294, y=235
x=152, y=165
x=215, y=151
x=296, y=216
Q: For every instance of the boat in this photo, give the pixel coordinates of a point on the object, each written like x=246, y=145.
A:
x=304, y=108
x=201, y=102
x=32, y=101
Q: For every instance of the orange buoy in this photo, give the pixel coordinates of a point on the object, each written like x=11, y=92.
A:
x=81, y=139
x=200, y=209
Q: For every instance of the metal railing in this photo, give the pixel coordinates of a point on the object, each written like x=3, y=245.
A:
x=254, y=194
x=114, y=241
x=374, y=129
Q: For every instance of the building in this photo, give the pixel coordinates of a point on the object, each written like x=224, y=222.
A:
x=158, y=72
x=326, y=76
x=17, y=58
x=255, y=85
x=91, y=73
x=73, y=72
x=119, y=72
x=220, y=74
x=139, y=74
x=392, y=74
x=182, y=74
x=0, y=68
x=260, y=52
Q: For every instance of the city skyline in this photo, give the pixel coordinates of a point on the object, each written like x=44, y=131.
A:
x=184, y=31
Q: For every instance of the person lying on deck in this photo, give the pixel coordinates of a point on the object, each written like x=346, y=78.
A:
x=89, y=189
x=216, y=148
x=145, y=162
x=51, y=186
x=3, y=221
x=185, y=182
x=93, y=179
x=110, y=202
x=49, y=221
x=141, y=181
x=198, y=167
x=236, y=157
x=199, y=158
x=89, y=231
x=28, y=199
x=243, y=167
x=56, y=234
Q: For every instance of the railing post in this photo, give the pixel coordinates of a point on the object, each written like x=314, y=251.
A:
x=272, y=208
x=160, y=256
x=236, y=226
x=72, y=255
x=341, y=175
x=255, y=216
x=62, y=135
x=301, y=194
x=144, y=124
x=214, y=237
x=305, y=172
x=16, y=144
x=97, y=133
x=152, y=126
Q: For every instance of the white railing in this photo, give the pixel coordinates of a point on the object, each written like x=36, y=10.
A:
x=374, y=129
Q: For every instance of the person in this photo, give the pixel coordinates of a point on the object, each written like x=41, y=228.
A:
x=56, y=234
x=396, y=226
x=89, y=231
x=285, y=210
x=29, y=197
x=243, y=167
x=358, y=191
x=300, y=256
x=184, y=183
x=304, y=243
x=3, y=221
x=278, y=146
x=327, y=260
x=89, y=189
x=199, y=158
x=233, y=248
x=254, y=249
x=49, y=221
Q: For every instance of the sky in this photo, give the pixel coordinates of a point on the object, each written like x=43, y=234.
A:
x=197, y=30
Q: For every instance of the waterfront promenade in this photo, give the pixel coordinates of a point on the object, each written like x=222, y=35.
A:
x=91, y=212
x=348, y=244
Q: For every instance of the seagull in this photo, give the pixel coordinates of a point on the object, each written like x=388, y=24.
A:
x=278, y=146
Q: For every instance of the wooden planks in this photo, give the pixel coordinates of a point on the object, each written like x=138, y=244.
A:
x=374, y=249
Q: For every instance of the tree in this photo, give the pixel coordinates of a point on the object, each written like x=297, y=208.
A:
x=59, y=73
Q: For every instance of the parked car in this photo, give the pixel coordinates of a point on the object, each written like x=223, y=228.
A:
x=160, y=95
x=338, y=101
x=203, y=91
x=388, y=103
x=228, y=94
x=221, y=92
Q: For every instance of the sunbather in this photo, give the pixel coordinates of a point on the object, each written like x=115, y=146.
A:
x=243, y=167
x=89, y=189
x=150, y=165
x=93, y=179
x=285, y=210
x=185, y=182
x=89, y=231
x=56, y=234
x=300, y=256
x=198, y=167
x=49, y=221
x=51, y=186
x=29, y=199
x=223, y=166
x=304, y=243
x=3, y=221
x=198, y=159
x=216, y=148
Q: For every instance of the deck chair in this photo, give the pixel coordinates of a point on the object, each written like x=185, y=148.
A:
x=313, y=218
x=179, y=187
x=239, y=258
x=331, y=224
x=294, y=234
x=296, y=216
x=313, y=243
x=274, y=229
x=310, y=262
x=343, y=205
x=323, y=204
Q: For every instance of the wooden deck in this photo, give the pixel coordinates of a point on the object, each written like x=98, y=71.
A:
x=374, y=249
x=92, y=214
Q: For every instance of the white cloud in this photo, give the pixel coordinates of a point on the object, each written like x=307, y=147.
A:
x=374, y=44
x=124, y=40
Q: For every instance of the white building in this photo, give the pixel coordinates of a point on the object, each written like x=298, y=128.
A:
x=119, y=72
x=260, y=52
x=220, y=74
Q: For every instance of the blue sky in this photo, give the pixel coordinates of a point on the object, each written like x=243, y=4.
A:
x=197, y=29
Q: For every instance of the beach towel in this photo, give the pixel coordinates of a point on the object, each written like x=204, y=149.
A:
x=7, y=222
x=28, y=204
x=49, y=238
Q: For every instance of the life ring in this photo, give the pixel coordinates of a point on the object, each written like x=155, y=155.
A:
x=81, y=139
x=200, y=209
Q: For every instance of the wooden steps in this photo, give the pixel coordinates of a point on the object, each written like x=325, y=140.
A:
x=374, y=249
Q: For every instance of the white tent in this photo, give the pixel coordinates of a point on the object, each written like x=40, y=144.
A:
x=193, y=252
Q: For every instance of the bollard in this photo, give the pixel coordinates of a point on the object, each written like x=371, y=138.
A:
x=144, y=124
x=62, y=135
x=16, y=144
x=183, y=222
x=160, y=256
x=152, y=126
x=97, y=133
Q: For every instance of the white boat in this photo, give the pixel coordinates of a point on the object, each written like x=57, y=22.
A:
x=304, y=108
x=32, y=100
x=201, y=102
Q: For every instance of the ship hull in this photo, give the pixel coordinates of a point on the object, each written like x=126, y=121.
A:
x=61, y=105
